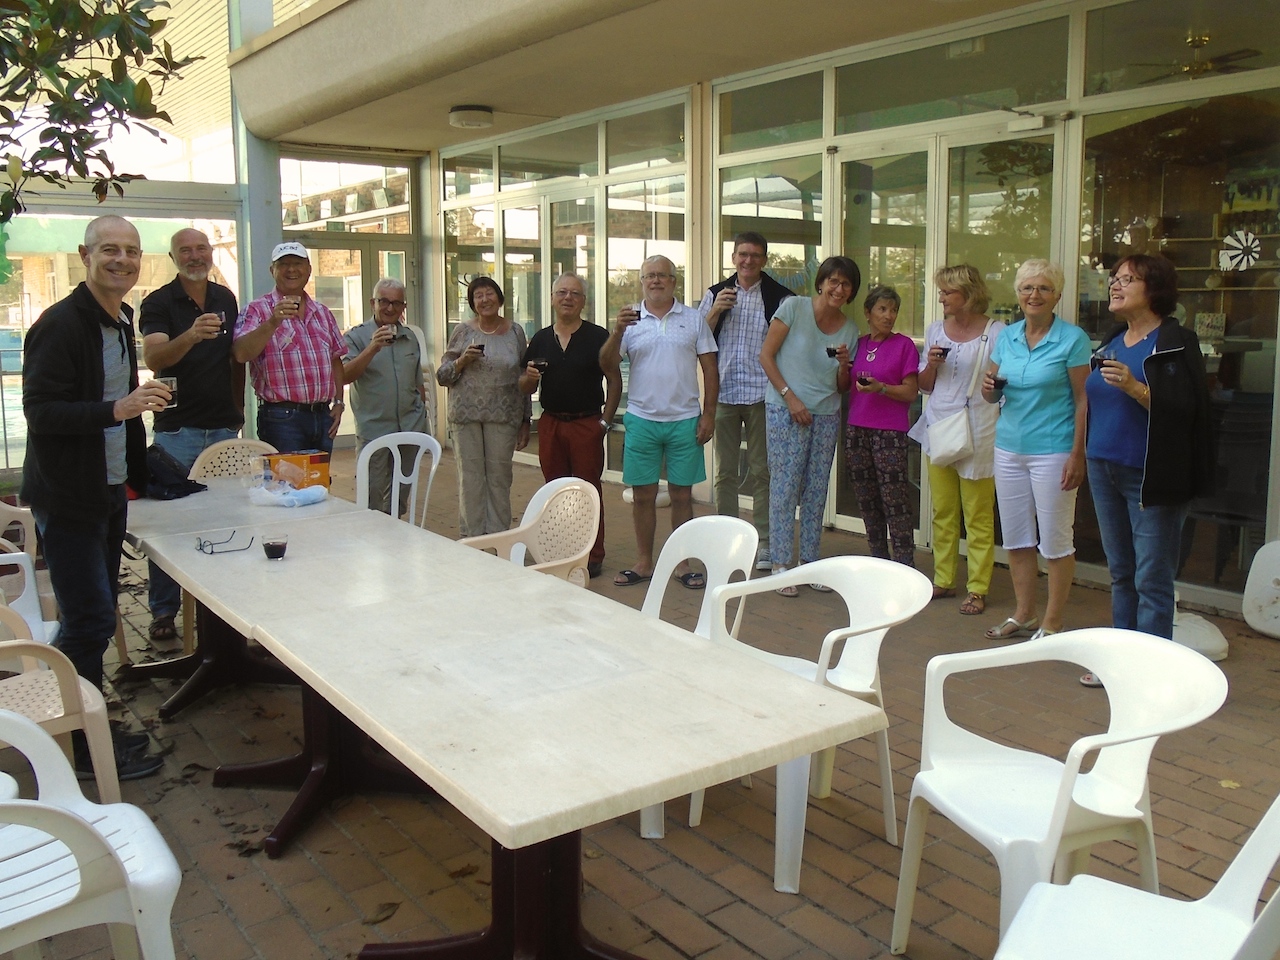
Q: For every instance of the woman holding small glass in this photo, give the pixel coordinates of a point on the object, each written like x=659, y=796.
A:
x=875, y=438
x=806, y=359
x=958, y=347
x=1037, y=374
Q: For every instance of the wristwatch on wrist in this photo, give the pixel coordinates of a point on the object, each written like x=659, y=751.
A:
x=605, y=425
x=784, y=391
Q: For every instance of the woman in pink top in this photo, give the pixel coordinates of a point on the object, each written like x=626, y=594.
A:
x=875, y=441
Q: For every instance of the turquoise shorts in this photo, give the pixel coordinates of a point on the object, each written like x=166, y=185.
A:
x=648, y=442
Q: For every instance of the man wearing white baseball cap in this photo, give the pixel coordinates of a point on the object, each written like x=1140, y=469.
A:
x=294, y=350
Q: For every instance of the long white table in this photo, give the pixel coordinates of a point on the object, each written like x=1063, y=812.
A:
x=535, y=707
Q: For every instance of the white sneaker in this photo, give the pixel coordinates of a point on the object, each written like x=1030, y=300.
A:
x=762, y=559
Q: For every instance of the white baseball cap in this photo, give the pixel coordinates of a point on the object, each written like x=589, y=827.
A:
x=290, y=248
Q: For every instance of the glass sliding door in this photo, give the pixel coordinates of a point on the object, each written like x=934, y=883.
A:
x=884, y=228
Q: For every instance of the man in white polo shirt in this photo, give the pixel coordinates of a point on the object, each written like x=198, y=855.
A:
x=666, y=343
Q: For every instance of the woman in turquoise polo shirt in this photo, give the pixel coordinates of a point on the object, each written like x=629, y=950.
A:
x=1042, y=363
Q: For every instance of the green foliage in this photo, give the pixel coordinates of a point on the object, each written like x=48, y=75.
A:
x=71, y=73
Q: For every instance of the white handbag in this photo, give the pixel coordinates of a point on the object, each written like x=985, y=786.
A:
x=951, y=439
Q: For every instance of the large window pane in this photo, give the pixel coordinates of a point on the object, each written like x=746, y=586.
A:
x=782, y=200
x=569, y=153
x=573, y=241
x=999, y=210
x=996, y=71
x=468, y=175
x=785, y=111
x=43, y=266
x=1149, y=42
x=645, y=140
x=1178, y=181
x=354, y=197
x=885, y=209
x=522, y=268
x=468, y=252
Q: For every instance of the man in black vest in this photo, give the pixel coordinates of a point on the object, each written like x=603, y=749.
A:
x=738, y=310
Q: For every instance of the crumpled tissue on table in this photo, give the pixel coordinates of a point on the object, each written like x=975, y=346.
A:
x=277, y=493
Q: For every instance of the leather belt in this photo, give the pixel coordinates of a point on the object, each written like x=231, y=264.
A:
x=569, y=417
x=321, y=406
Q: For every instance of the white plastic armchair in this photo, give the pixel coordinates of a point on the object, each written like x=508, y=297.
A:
x=725, y=546
x=878, y=595
x=27, y=604
x=1101, y=920
x=558, y=537
x=1037, y=815
x=57, y=698
x=67, y=863
x=401, y=472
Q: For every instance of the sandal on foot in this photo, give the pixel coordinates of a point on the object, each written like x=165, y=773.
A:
x=941, y=593
x=791, y=590
x=693, y=580
x=820, y=587
x=162, y=628
x=974, y=604
x=629, y=578
x=1012, y=628
x=1089, y=680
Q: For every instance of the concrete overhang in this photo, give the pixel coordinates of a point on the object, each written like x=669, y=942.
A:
x=384, y=73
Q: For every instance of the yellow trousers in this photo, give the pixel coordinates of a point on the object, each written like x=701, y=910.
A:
x=951, y=495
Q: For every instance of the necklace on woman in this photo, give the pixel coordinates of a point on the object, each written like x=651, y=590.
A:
x=871, y=351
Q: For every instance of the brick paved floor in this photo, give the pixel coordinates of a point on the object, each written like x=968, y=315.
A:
x=389, y=867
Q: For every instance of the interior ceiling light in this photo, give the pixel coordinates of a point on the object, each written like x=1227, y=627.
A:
x=471, y=116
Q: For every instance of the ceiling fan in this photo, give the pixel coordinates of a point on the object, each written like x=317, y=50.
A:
x=1198, y=67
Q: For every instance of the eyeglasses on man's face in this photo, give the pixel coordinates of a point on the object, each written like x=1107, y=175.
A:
x=383, y=303
x=1122, y=281
x=570, y=293
x=209, y=547
x=649, y=277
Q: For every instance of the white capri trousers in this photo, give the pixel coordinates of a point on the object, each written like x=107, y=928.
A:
x=1030, y=495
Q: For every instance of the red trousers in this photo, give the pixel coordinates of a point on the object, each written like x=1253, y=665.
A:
x=574, y=448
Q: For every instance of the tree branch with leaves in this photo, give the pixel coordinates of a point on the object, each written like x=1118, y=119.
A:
x=72, y=72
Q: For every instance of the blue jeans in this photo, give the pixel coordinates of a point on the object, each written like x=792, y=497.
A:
x=289, y=429
x=164, y=596
x=84, y=566
x=1141, y=544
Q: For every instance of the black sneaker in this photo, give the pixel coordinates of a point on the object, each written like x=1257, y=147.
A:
x=126, y=742
x=129, y=766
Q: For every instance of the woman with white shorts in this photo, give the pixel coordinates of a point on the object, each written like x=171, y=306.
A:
x=1037, y=374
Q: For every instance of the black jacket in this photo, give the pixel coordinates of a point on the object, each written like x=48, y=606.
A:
x=1179, y=461
x=65, y=471
x=771, y=292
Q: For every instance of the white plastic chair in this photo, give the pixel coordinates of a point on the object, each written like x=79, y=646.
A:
x=558, y=537
x=725, y=546
x=537, y=503
x=425, y=443
x=66, y=863
x=58, y=699
x=1101, y=920
x=1037, y=815
x=878, y=594
x=27, y=604
x=229, y=458
x=1261, y=602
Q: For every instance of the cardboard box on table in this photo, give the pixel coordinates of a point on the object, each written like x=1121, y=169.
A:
x=305, y=468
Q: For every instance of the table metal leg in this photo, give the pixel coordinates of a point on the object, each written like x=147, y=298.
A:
x=337, y=758
x=537, y=912
x=222, y=657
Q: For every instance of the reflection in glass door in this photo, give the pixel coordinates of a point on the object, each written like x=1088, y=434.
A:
x=1000, y=211
x=522, y=267
x=884, y=230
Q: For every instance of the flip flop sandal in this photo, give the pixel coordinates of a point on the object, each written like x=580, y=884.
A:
x=693, y=580
x=629, y=578
x=1011, y=628
x=820, y=587
x=790, y=591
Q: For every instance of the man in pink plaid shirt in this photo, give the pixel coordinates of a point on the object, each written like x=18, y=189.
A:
x=294, y=350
